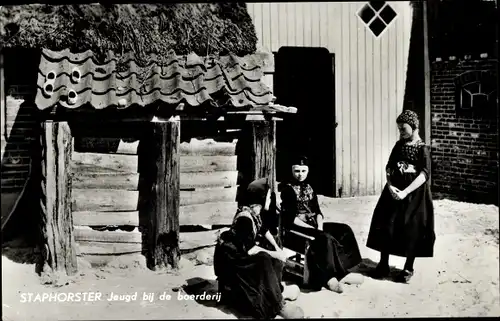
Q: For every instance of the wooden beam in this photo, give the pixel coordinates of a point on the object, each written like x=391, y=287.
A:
x=3, y=108
x=94, y=218
x=105, y=163
x=257, y=159
x=130, y=181
x=214, y=213
x=104, y=200
x=86, y=234
x=58, y=251
x=122, y=239
x=103, y=248
x=427, y=79
x=108, y=200
x=106, y=181
x=117, y=146
x=162, y=169
x=257, y=151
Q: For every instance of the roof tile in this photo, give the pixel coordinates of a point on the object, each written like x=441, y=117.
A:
x=72, y=80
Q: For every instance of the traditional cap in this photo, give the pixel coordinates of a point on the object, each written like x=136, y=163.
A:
x=256, y=192
x=300, y=160
x=409, y=117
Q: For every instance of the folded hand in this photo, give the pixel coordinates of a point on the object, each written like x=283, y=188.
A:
x=254, y=250
x=394, y=191
x=281, y=255
x=397, y=194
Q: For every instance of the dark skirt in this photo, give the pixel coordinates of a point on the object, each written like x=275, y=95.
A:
x=331, y=254
x=250, y=284
x=404, y=228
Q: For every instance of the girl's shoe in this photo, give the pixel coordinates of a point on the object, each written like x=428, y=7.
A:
x=334, y=285
x=380, y=272
x=291, y=311
x=291, y=292
x=404, y=276
x=353, y=279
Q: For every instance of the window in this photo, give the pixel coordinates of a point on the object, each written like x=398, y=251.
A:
x=377, y=15
x=475, y=90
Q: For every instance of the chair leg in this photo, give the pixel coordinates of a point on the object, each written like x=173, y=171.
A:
x=306, y=276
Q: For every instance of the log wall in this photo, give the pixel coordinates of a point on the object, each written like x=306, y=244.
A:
x=106, y=194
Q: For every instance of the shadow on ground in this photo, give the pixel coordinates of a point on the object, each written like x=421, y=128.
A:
x=200, y=286
x=20, y=251
x=367, y=266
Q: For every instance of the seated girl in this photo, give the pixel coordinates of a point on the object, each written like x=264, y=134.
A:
x=249, y=276
x=334, y=249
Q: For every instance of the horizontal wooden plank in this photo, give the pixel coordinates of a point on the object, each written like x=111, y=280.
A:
x=187, y=241
x=209, y=180
x=92, y=218
x=207, y=163
x=208, y=148
x=130, y=181
x=121, y=200
x=213, y=213
x=104, y=200
x=86, y=234
x=107, y=146
x=118, y=181
x=208, y=196
x=194, y=240
x=100, y=248
x=118, y=146
x=216, y=213
x=103, y=163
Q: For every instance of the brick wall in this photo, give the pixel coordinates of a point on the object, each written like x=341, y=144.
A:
x=20, y=136
x=464, y=143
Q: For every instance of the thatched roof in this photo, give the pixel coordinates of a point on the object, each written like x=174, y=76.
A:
x=204, y=29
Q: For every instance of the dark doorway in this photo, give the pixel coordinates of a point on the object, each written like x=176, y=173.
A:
x=304, y=79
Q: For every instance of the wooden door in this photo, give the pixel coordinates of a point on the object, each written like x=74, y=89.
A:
x=304, y=78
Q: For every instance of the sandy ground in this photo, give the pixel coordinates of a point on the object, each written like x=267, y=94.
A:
x=461, y=280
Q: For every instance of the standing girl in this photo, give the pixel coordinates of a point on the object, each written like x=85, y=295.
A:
x=403, y=219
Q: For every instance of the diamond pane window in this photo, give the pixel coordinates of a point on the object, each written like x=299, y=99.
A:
x=377, y=15
x=366, y=14
x=377, y=5
x=387, y=14
x=377, y=26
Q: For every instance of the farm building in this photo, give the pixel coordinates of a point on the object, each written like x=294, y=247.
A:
x=106, y=154
x=375, y=62
x=349, y=68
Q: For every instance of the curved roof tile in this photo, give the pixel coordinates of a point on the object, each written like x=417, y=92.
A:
x=226, y=81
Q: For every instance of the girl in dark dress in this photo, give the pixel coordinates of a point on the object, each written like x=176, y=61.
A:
x=334, y=249
x=249, y=277
x=403, y=219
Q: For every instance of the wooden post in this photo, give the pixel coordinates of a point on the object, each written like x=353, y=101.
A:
x=3, y=108
x=58, y=248
x=257, y=156
x=427, y=79
x=163, y=230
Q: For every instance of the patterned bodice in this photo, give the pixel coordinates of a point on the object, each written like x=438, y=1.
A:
x=410, y=153
x=405, y=163
x=304, y=194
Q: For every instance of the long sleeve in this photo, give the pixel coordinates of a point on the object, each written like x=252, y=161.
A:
x=289, y=206
x=315, y=208
x=392, y=158
x=424, y=161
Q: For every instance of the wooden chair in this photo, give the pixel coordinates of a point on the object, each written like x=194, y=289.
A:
x=297, y=260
